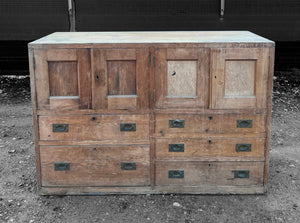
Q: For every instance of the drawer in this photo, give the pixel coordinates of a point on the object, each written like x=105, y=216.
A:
x=209, y=173
x=94, y=127
x=95, y=166
x=211, y=148
x=191, y=123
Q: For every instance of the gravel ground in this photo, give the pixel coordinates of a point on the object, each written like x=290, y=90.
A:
x=19, y=201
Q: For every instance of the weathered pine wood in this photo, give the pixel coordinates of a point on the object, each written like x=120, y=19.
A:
x=64, y=103
x=31, y=57
x=94, y=84
x=209, y=147
x=209, y=173
x=180, y=77
x=63, y=78
x=85, y=78
x=268, y=121
x=222, y=190
x=94, y=127
x=238, y=78
x=209, y=123
x=95, y=166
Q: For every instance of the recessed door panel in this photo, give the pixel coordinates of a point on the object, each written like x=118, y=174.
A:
x=120, y=78
x=64, y=79
x=182, y=78
x=181, y=75
x=239, y=78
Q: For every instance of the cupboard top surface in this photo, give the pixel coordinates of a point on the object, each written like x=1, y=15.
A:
x=152, y=37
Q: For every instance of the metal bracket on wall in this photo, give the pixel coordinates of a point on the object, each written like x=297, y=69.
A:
x=222, y=8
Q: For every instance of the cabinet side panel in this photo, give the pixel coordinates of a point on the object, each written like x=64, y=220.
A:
x=31, y=57
x=269, y=112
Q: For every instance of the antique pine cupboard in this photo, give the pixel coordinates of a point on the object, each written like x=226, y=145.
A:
x=152, y=112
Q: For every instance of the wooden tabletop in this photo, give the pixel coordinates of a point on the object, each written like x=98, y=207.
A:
x=151, y=37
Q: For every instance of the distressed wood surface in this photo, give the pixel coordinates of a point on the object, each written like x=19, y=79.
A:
x=269, y=113
x=129, y=78
x=239, y=78
x=209, y=173
x=95, y=166
x=63, y=78
x=209, y=148
x=209, y=123
x=222, y=190
x=180, y=77
x=151, y=37
x=64, y=103
x=94, y=127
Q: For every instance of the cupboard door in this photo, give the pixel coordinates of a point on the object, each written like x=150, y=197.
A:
x=120, y=78
x=180, y=77
x=63, y=78
x=239, y=78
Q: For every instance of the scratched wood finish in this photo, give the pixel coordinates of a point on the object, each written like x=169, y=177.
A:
x=209, y=173
x=95, y=166
x=180, y=77
x=94, y=127
x=209, y=123
x=63, y=78
x=119, y=72
x=208, y=79
x=62, y=72
x=209, y=148
x=239, y=78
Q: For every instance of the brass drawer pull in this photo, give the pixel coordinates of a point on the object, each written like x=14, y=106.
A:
x=244, y=123
x=176, y=147
x=60, y=127
x=241, y=173
x=177, y=123
x=176, y=173
x=127, y=127
x=243, y=147
x=128, y=166
x=59, y=166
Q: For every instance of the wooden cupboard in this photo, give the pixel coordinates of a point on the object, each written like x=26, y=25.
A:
x=152, y=112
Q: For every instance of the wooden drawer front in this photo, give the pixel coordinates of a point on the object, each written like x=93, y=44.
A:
x=177, y=123
x=94, y=127
x=214, y=148
x=95, y=166
x=209, y=173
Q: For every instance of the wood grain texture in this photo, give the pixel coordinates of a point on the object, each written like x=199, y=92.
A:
x=63, y=78
x=177, y=37
x=209, y=123
x=239, y=78
x=64, y=103
x=94, y=127
x=95, y=166
x=209, y=173
x=41, y=79
x=121, y=77
x=222, y=190
x=232, y=71
x=31, y=57
x=61, y=55
x=122, y=102
x=181, y=78
x=209, y=148
x=99, y=80
x=85, y=78
x=193, y=86
x=269, y=113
